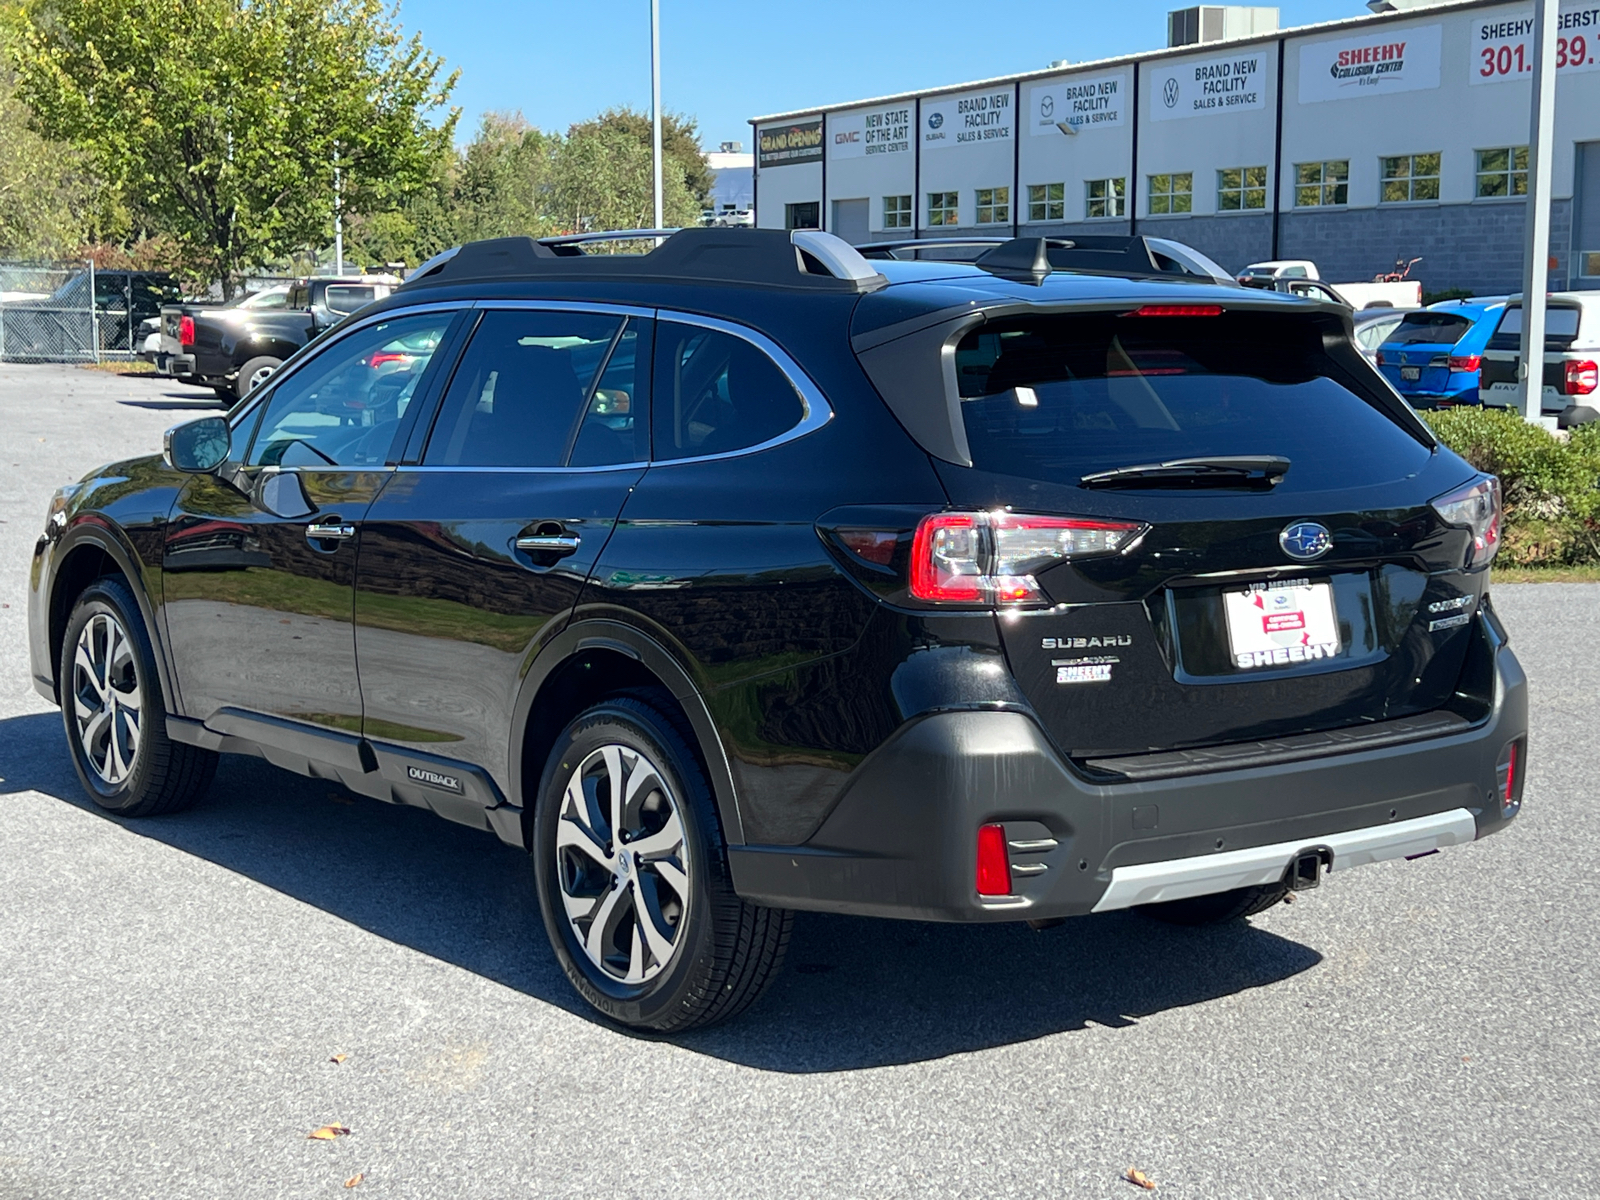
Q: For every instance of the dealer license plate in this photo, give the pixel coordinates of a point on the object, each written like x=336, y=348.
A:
x=1282, y=623
x=1410, y=374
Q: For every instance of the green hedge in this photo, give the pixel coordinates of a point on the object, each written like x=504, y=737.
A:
x=1550, y=482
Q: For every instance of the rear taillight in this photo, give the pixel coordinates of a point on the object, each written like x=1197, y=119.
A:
x=989, y=558
x=1466, y=362
x=994, y=861
x=1581, y=378
x=1379, y=359
x=1475, y=507
x=381, y=358
x=186, y=331
x=1508, y=778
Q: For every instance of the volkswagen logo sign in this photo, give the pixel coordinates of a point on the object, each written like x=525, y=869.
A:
x=1169, y=93
x=935, y=119
x=1305, y=540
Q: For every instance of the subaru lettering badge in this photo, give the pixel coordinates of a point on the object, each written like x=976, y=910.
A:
x=1305, y=540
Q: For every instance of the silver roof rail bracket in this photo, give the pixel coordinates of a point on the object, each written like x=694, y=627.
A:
x=838, y=257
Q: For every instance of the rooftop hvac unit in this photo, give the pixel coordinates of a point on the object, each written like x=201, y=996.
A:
x=1217, y=23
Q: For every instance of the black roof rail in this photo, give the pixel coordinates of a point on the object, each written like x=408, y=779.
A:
x=1033, y=258
x=804, y=258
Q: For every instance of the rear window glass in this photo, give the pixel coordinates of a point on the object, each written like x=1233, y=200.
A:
x=1057, y=398
x=1559, y=323
x=1430, y=328
x=343, y=298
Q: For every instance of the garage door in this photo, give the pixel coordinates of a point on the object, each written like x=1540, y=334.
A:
x=850, y=221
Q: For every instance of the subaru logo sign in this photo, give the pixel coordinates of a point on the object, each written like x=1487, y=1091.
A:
x=935, y=119
x=1305, y=540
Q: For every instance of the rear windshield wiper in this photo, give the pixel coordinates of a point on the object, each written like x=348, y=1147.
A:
x=1254, y=471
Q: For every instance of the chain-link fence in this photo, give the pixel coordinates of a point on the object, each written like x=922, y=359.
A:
x=47, y=313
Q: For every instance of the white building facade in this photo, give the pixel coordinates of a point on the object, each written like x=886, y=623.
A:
x=1352, y=143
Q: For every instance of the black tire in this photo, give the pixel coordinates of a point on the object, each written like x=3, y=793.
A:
x=143, y=774
x=263, y=366
x=1219, y=908
x=724, y=952
x=225, y=394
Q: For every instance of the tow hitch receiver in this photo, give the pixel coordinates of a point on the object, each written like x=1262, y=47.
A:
x=1305, y=872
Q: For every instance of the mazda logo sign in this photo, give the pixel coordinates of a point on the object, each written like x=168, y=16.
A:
x=1305, y=540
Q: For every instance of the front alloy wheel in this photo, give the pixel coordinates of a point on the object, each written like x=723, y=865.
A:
x=107, y=701
x=622, y=864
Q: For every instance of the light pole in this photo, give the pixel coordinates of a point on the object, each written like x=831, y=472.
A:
x=1541, y=169
x=655, y=102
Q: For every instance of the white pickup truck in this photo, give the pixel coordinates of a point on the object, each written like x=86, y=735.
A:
x=1299, y=276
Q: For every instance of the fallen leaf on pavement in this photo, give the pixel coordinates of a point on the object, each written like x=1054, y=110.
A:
x=355, y=1179
x=328, y=1132
x=1136, y=1176
x=339, y=1058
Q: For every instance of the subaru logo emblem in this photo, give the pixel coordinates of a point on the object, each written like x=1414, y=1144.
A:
x=1305, y=540
x=935, y=120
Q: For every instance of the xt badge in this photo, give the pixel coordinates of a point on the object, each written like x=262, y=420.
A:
x=434, y=779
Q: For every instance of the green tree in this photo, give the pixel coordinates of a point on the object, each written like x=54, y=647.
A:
x=50, y=200
x=603, y=179
x=222, y=120
x=502, y=179
x=680, y=145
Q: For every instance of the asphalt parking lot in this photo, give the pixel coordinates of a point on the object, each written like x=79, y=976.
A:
x=173, y=992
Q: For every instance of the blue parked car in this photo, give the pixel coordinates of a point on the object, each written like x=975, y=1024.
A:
x=1434, y=355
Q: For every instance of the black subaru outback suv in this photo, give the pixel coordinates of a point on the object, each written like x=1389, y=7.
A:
x=756, y=574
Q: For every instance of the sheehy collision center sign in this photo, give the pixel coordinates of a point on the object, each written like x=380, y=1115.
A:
x=871, y=131
x=1092, y=102
x=1208, y=87
x=1397, y=60
x=1502, y=43
x=968, y=120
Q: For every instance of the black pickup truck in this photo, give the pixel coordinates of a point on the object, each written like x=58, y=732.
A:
x=234, y=349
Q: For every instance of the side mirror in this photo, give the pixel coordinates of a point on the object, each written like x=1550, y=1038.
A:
x=198, y=446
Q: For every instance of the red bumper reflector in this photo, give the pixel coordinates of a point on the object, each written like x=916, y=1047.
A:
x=1178, y=310
x=994, y=861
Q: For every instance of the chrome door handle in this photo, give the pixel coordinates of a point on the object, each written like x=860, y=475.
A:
x=329, y=531
x=549, y=543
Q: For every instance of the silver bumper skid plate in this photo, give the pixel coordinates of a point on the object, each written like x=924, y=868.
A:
x=1178, y=878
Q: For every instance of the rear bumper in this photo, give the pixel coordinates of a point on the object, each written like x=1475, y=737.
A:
x=901, y=842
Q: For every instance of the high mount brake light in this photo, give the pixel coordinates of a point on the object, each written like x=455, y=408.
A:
x=1477, y=507
x=1582, y=378
x=186, y=331
x=1177, y=310
x=988, y=559
x=1466, y=362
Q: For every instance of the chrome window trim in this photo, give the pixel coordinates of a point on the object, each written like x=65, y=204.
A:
x=815, y=409
x=629, y=466
x=264, y=393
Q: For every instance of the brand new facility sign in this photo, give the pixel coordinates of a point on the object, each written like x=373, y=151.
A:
x=1208, y=87
x=1376, y=64
x=951, y=122
x=1082, y=102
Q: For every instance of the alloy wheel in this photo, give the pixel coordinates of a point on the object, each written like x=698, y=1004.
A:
x=107, y=700
x=622, y=864
x=257, y=378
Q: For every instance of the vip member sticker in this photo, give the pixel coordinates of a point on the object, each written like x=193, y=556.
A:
x=1282, y=623
x=1084, y=670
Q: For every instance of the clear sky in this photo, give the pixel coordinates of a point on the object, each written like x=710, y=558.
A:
x=726, y=62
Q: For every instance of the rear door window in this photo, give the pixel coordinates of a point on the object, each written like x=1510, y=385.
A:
x=1430, y=328
x=532, y=386
x=715, y=393
x=1059, y=397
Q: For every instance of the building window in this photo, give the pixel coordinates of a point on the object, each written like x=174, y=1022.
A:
x=1241, y=188
x=1409, y=177
x=897, y=212
x=1171, y=193
x=994, y=206
x=1589, y=264
x=943, y=209
x=1320, y=184
x=1503, y=172
x=1047, y=202
x=1105, y=197
x=803, y=216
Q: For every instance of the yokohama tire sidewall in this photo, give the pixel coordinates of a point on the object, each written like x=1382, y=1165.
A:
x=642, y=729
x=114, y=600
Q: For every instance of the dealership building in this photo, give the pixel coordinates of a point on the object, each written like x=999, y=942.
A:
x=1351, y=143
